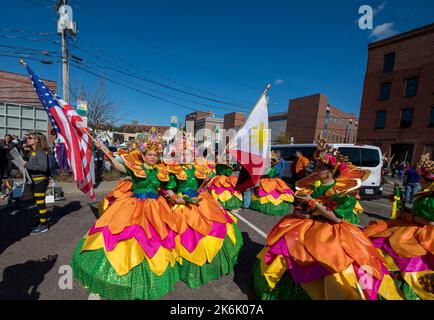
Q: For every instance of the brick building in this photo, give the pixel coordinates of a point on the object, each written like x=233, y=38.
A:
x=20, y=108
x=397, y=110
x=308, y=116
x=139, y=128
x=198, y=115
x=233, y=120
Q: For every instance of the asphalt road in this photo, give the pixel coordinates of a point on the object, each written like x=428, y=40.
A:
x=32, y=266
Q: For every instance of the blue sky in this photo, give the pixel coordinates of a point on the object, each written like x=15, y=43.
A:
x=227, y=48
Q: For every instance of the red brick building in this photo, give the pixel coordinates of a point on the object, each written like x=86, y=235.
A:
x=133, y=127
x=20, y=108
x=198, y=115
x=397, y=111
x=309, y=116
x=233, y=120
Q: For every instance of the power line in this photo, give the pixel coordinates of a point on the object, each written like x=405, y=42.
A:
x=29, y=38
x=42, y=51
x=132, y=88
x=28, y=58
x=27, y=31
x=153, y=82
x=150, y=72
x=158, y=83
x=153, y=45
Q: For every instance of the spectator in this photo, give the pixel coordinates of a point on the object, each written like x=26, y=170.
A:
x=298, y=168
x=385, y=167
x=52, y=162
x=3, y=159
x=99, y=161
x=37, y=166
x=412, y=183
x=395, y=168
x=7, y=147
x=400, y=170
x=280, y=165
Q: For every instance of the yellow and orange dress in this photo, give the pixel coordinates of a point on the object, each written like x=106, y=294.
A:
x=273, y=196
x=129, y=253
x=408, y=248
x=314, y=258
x=208, y=241
x=222, y=188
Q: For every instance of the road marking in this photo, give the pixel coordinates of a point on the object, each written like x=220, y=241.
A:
x=251, y=225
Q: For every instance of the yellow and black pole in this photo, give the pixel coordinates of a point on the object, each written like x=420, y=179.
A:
x=397, y=204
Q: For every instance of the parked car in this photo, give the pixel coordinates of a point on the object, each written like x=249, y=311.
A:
x=365, y=156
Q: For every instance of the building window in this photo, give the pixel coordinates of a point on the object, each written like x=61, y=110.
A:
x=406, y=118
x=389, y=62
x=431, y=118
x=411, y=87
x=385, y=91
x=380, y=120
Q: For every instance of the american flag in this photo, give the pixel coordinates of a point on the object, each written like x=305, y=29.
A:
x=70, y=126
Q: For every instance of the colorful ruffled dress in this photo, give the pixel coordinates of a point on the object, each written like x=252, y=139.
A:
x=317, y=259
x=222, y=188
x=130, y=251
x=408, y=248
x=209, y=240
x=273, y=196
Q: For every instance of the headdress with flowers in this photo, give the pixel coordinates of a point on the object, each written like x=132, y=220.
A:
x=426, y=167
x=330, y=156
x=150, y=142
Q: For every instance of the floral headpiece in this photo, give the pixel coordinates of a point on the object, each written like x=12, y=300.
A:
x=330, y=156
x=150, y=143
x=427, y=167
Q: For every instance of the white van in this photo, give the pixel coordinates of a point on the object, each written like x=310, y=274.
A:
x=364, y=156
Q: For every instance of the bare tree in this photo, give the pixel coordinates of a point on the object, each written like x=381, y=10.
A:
x=102, y=110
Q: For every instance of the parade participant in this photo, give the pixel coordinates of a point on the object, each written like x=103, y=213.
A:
x=273, y=196
x=408, y=243
x=37, y=166
x=130, y=251
x=317, y=253
x=222, y=187
x=209, y=240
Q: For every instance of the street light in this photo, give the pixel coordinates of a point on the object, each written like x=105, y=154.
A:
x=326, y=121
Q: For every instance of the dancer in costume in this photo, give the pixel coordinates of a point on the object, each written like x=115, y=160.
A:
x=408, y=242
x=130, y=251
x=317, y=252
x=273, y=196
x=222, y=187
x=209, y=240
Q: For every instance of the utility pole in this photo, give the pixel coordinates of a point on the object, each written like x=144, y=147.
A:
x=65, y=25
x=65, y=66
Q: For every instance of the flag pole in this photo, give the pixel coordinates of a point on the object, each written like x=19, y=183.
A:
x=261, y=96
x=79, y=125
